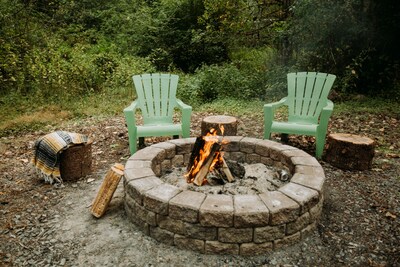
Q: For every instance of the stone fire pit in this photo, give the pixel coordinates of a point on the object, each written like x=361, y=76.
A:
x=218, y=223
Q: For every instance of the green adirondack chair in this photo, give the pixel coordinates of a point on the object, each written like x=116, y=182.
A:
x=156, y=99
x=308, y=106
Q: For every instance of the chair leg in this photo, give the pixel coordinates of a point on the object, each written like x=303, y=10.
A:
x=284, y=138
x=267, y=133
x=141, y=142
x=319, y=147
x=132, y=141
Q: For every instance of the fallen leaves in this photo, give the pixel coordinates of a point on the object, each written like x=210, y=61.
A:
x=390, y=215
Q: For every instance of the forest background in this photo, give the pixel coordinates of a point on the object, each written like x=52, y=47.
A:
x=64, y=59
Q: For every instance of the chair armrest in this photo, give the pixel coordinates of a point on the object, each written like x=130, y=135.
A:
x=269, y=109
x=182, y=106
x=186, y=114
x=327, y=111
x=324, y=117
x=130, y=114
x=275, y=105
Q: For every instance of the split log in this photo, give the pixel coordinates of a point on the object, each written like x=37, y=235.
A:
x=76, y=162
x=198, y=180
x=107, y=189
x=350, y=152
x=227, y=172
x=228, y=122
x=198, y=145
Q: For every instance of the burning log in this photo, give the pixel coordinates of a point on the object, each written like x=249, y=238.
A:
x=227, y=172
x=205, y=168
x=207, y=157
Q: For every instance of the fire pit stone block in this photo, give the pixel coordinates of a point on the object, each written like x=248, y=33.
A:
x=178, y=160
x=306, y=197
x=146, y=215
x=234, y=143
x=201, y=232
x=217, y=210
x=302, y=222
x=136, y=187
x=253, y=158
x=183, y=146
x=134, y=174
x=247, y=145
x=282, y=208
x=185, y=206
x=138, y=164
x=168, y=147
x=156, y=199
x=162, y=235
x=216, y=247
x=251, y=249
x=224, y=224
x=184, y=242
x=250, y=211
x=235, y=235
x=269, y=233
x=288, y=240
x=172, y=225
x=315, y=182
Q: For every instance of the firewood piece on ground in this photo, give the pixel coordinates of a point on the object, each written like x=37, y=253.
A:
x=349, y=151
x=107, y=189
x=228, y=122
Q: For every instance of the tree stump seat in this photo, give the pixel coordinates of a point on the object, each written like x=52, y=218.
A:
x=228, y=122
x=76, y=161
x=349, y=151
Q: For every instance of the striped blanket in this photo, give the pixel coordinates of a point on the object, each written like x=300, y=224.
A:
x=46, y=158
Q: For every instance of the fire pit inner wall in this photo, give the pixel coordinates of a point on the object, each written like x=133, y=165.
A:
x=218, y=223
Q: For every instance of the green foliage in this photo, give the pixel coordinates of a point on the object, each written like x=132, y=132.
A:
x=263, y=70
x=350, y=38
x=80, y=55
x=217, y=82
x=177, y=40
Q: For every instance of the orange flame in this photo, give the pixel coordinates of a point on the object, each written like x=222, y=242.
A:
x=210, y=139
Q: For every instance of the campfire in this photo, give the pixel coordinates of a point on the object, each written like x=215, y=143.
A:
x=207, y=159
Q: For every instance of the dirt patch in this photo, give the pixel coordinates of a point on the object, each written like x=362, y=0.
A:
x=41, y=225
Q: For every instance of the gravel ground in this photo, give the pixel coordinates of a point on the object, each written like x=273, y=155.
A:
x=43, y=225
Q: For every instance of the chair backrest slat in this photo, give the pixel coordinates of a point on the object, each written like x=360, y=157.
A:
x=308, y=94
x=156, y=94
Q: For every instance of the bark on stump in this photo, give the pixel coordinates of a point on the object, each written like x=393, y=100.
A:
x=76, y=162
x=229, y=123
x=350, y=152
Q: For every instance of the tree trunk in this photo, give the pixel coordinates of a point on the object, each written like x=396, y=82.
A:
x=229, y=123
x=350, y=152
x=76, y=162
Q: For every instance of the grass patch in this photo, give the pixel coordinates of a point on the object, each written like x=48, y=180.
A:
x=368, y=105
x=49, y=115
x=25, y=114
x=233, y=107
